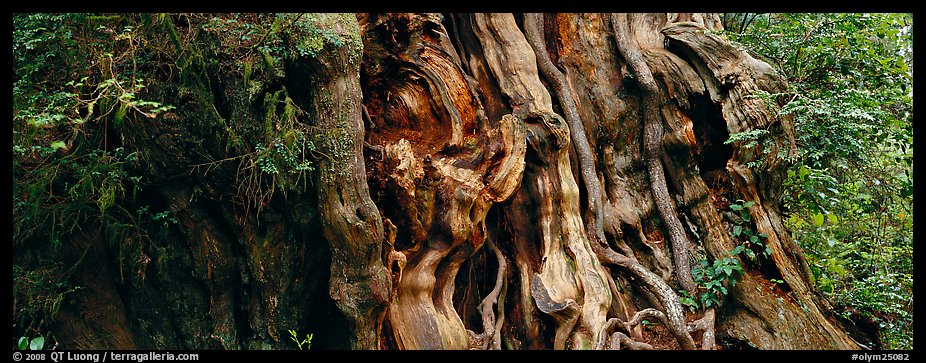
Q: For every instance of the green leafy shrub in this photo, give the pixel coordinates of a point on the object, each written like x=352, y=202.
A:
x=743, y=230
x=713, y=276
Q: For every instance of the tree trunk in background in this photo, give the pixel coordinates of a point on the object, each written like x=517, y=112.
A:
x=483, y=181
x=360, y=283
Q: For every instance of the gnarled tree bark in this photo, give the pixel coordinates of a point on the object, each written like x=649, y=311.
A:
x=455, y=205
x=360, y=283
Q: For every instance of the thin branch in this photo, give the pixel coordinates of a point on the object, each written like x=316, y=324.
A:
x=212, y=164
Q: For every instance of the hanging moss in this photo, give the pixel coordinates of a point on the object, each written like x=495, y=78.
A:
x=248, y=68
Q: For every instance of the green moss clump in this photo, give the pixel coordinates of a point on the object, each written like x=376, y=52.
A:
x=311, y=33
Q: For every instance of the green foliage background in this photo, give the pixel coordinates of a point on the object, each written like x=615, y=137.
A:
x=849, y=194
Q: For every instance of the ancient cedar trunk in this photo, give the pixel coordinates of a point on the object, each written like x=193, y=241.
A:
x=637, y=176
x=482, y=181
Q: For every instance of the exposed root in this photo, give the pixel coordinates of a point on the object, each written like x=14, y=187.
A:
x=628, y=326
x=642, y=315
x=652, y=148
x=491, y=336
x=706, y=326
x=618, y=338
x=566, y=313
x=675, y=317
x=533, y=31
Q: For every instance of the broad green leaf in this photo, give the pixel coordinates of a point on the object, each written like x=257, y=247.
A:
x=37, y=343
x=55, y=145
x=818, y=220
x=23, y=343
x=737, y=230
x=737, y=250
x=803, y=172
